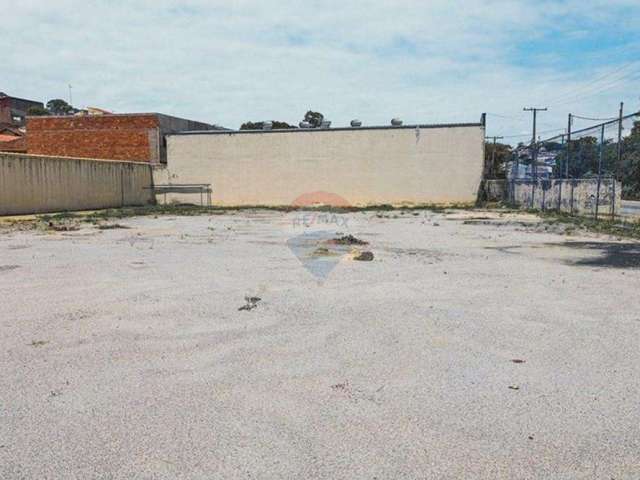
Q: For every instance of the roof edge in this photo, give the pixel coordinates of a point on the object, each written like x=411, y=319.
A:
x=22, y=99
x=331, y=129
x=84, y=159
x=137, y=114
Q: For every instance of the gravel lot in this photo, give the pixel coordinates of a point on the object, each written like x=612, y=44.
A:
x=124, y=354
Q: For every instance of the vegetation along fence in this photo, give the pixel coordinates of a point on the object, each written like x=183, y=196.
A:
x=595, y=167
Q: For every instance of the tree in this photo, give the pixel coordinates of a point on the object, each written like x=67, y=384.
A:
x=585, y=157
x=629, y=170
x=583, y=161
x=58, y=106
x=37, y=111
x=314, y=118
x=275, y=125
x=251, y=126
x=496, y=160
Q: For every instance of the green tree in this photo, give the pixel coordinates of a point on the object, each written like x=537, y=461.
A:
x=629, y=169
x=585, y=156
x=496, y=157
x=58, y=106
x=37, y=111
x=314, y=118
x=276, y=125
x=583, y=161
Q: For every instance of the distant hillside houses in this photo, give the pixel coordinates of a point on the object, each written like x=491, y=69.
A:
x=522, y=168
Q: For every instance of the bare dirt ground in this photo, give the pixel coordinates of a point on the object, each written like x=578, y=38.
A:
x=249, y=345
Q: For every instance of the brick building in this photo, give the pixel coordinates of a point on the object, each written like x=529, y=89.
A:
x=12, y=139
x=136, y=137
x=13, y=110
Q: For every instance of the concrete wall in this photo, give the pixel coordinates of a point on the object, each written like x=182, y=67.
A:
x=493, y=191
x=576, y=196
x=35, y=184
x=364, y=166
x=168, y=125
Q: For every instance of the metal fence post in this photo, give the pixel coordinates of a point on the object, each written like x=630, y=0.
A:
x=566, y=166
x=560, y=189
x=560, y=182
x=514, y=176
x=533, y=195
x=616, y=172
x=599, y=170
x=613, y=198
x=619, y=157
x=572, y=196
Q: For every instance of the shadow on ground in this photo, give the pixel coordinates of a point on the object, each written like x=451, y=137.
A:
x=611, y=254
x=600, y=254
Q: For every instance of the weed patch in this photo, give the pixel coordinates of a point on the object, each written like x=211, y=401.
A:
x=111, y=226
x=607, y=227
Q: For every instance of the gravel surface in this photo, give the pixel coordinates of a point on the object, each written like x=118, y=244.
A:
x=473, y=346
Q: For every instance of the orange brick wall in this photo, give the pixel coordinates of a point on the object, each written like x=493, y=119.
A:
x=19, y=145
x=110, y=137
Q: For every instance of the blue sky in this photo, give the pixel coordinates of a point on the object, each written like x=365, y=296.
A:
x=227, y=62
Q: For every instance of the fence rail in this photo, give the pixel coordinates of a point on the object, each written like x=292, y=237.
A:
x=580, y=196
x=605, y=156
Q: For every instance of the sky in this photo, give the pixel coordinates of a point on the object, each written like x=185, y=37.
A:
x=424, y=61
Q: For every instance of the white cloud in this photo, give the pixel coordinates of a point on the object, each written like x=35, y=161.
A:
x=231, y=61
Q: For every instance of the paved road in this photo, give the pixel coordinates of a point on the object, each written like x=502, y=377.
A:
x=471, y=347
x=630, y=207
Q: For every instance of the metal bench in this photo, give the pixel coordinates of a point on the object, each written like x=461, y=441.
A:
x=204, y=189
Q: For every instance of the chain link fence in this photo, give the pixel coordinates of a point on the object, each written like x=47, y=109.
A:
x=592, y=169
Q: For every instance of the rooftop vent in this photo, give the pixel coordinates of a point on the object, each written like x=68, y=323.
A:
x=356, y=123
x=396, y=122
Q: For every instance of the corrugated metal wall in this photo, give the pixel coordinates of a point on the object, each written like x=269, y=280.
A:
x=37, y=184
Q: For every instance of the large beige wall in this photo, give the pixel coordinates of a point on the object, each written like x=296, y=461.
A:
x=364, y=166
x=35, y=184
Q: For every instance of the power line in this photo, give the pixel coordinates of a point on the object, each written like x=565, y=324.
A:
x=534, y=156
x=595, y=90
x=594, y=119
x=581, y=98
x=589, y=85
x=505, y=116
x=521, y=119
x=577, y=133
x=522, y=135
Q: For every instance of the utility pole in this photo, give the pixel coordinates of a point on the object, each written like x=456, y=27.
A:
x=534, y=143
x=566, y=166
x=619, y=138
x=493, y=153
x=70, y=97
